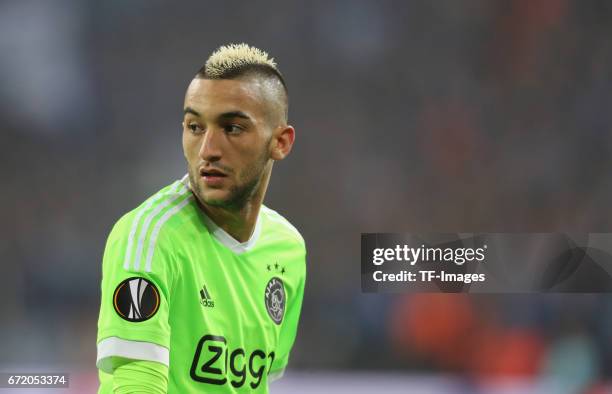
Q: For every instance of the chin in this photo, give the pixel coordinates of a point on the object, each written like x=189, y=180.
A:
x=215, y=198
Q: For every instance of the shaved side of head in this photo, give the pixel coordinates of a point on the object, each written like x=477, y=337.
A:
x=241, y=61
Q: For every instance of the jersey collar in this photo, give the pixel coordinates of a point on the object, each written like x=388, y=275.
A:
x=230, y=242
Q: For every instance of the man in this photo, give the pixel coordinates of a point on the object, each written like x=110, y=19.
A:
x=202, y=285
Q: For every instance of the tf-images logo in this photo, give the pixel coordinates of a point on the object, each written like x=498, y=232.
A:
x=136, y=299
x=275, y=299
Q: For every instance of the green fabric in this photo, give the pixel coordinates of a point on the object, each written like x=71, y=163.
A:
x=217, y=299
x=135, y=377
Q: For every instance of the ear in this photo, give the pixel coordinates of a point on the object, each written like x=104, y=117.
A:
x=282, y=142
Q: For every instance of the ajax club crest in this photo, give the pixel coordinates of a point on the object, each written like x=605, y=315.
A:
x=275, y=299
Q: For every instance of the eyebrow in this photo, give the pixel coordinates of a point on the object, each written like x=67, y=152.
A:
x=225, y=115
x=189, y=110
x=234, y=114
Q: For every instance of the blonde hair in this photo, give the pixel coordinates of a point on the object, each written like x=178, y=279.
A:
x=236, y=60
x=228, y=58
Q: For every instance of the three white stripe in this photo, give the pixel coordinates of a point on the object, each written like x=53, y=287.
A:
x=158, y=226
x=152, y=200
x=174, y=193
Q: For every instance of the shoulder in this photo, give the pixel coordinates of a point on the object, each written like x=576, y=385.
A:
x=279, y=227
x=152, y=225
x=155, y=210
x=283, y=241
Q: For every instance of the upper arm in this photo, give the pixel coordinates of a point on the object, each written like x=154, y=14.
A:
x=134, y=309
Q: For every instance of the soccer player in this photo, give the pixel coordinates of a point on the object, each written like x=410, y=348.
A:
x=202, y=285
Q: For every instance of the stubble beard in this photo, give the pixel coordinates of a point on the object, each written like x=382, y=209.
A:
x=239, y=194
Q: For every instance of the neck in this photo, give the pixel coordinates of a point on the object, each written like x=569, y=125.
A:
x=239, y=223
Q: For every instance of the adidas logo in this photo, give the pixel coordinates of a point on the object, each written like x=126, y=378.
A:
x=205, y=299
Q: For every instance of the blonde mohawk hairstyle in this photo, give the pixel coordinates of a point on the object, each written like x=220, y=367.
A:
x=236, y=56
x=236, y=60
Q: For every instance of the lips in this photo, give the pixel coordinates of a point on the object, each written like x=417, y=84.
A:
x=211, y=173
x=212, y=177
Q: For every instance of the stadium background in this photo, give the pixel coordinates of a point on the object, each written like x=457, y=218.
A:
x=445, y=116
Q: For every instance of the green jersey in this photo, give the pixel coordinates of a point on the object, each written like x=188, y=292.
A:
x=179, y=290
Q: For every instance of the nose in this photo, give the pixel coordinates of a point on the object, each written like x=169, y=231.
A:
x=210, y=150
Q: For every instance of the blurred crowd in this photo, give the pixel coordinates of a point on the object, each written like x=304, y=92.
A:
x=446, y=116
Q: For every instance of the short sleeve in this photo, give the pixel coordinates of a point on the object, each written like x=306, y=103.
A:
x=137, y=277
